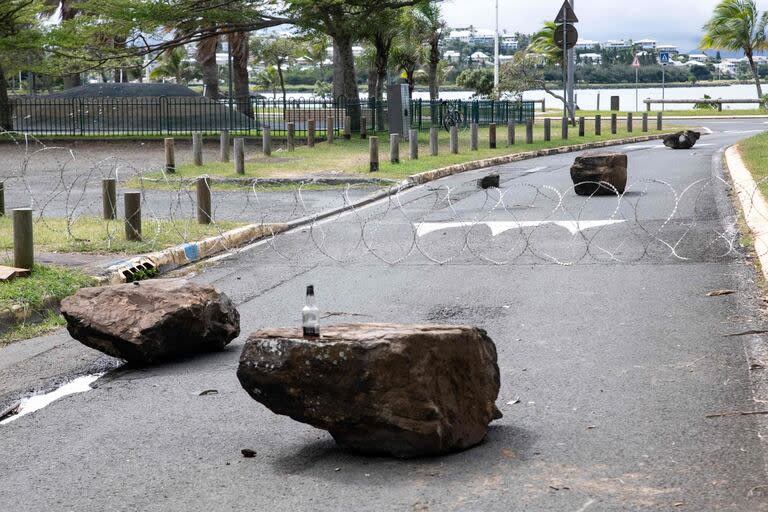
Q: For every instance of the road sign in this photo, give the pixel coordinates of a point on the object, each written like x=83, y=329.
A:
x=636, y=62
x=664, y=58
x=566, y=14
x=566, y=34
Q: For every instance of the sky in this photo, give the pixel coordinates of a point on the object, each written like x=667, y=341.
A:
x=675, y=22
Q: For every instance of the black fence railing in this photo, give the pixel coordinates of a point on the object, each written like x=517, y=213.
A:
x=182, y=116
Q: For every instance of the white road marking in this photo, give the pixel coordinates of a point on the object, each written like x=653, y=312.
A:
x=499, y=227
x=738, y=132
x=37, y=402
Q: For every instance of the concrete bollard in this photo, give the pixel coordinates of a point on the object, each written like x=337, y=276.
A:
x=659, y=123
x=109, y=198
x=547, y=129
x=239, y=155
x=203, y=200
x=454, y=140
x=311, y=133
x=170, y=156
x=347, y=128
x=492, y=136
x=630, y=123
x=224, y=146
x=197, y=148
x=598, y=124
x=363, y=127
x=511, y=133
x=434, y=141
x=291, y=136
x=23, y=239
x=413, y=144
x=2, y=199
x=266, y=140
x=373, y=147
x=582, y=126
x=564, y=129
x=330, y=128
x=645, y=121
x=133, y=216
x=473, y=137
x=529, y=131
x=614, y=124
x=394, y=148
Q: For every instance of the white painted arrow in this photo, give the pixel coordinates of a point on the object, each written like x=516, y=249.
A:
x=499, y=227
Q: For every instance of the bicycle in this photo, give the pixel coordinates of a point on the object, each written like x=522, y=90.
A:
x=451, y=117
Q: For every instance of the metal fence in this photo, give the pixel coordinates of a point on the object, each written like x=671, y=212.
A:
x=155, y=116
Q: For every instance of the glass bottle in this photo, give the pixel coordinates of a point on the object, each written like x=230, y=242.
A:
x=311, y=315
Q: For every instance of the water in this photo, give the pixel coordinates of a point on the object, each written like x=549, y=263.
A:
x=37, y=402
x=587, y=98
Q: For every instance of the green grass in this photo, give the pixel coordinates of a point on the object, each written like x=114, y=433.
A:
x=26, y=330
x=557, y=114
x=45, y=282
x=754, y=151
x=352, y=156
x=92, y=235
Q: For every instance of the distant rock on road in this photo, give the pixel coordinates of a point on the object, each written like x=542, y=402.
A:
x=682, y=140
x=152, y=321
x=379, y=388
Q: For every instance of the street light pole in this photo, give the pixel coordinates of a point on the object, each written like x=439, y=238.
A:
x=496, y=54
x=571, y=80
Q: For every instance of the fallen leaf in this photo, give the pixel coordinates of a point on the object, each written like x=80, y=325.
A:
x=590, y=427
x=756, y=366
x=209, y=392
x=248, y=453
x=720, y=293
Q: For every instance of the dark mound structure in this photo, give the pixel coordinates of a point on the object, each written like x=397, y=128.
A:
x=126, y=91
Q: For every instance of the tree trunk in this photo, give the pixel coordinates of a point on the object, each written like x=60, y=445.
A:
x=68, y=12
x=6, y=122
x=434, y=62
x=338, y=72
x=755, y=74
x=372, y=76
x=239, y=43
x=71, y=81
x=349, y=88
x=206, y=56
x=282, y=83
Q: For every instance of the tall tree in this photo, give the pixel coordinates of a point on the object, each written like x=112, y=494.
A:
x=543, y=44
x=738, y=25
x=278, y=52
x=238, y=42
x=429, y=23
x=206, y=56
x=175, y=64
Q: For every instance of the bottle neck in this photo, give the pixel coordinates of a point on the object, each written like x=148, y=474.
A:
x=311, y=299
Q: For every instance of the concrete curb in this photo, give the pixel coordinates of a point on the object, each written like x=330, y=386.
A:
x=175, y=257
x=753, y=204
x=249, y=182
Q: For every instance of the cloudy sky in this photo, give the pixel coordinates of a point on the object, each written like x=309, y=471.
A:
x=668, y=21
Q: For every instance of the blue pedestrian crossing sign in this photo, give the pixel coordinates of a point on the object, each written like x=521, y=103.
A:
x=664, y=57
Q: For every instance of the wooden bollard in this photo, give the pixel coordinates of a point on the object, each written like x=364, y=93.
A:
x=564, y=129
x=291, y=129
x=473, y=137
x=224, y=146
x=347, y=128
x=363, y=127
x=311, y=133
x=614, y=124
x=582, y=126
x=23, y=239
x=454, y=140
x=133, y=216
x=373, y=146
x=170, y=156
x=239, y=155
x=203, y=200
x=266, y=140
x=330, y=128
x=630, y=123
x=511, y=133
x=492, y=136
x=197, y=148
x=413, y=144
x=109, y=198
x=645, y=121
x=394, y=148
x=2, y=199
x=547, y=129
x=659, y=123
x=598, y=124
x=529, y=131
x=434, y=141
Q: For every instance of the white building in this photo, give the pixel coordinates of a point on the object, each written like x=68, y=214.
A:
x=586, y=44
x=728, y=66
x=646, y=44
x=484, y=37
x=617, y=44
x=509, y=43
x=590, y=58
x=479, y=57
x=451, y=56
x=698, y=57
x=668, y=48
x=465, y=36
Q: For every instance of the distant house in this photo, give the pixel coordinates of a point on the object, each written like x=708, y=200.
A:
x=728, y=66
x=451, y=56
x=590, y=58
x=586, y=44
x=479, y=57
x=508, y=43
x=461, y=35
x=617, y=44
x=668, y=48
x=646, y=44
x=698, y=57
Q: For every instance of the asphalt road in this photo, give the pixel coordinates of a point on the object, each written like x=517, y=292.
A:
x=606, y=335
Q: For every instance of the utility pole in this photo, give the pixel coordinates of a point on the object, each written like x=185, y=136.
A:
x=496, y=54
x=571, y=64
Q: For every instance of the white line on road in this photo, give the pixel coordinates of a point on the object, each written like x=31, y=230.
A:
x=586, y=505
x=499, y=227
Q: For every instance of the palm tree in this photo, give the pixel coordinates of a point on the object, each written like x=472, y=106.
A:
x=429, y=23
x=240, y=79
x=175, y=65
x=206, y=56
x=738, y=25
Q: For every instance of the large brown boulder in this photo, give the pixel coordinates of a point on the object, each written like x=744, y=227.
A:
x=600, y=174
x=152, y=321
x=682, y=140
x=404, y=390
